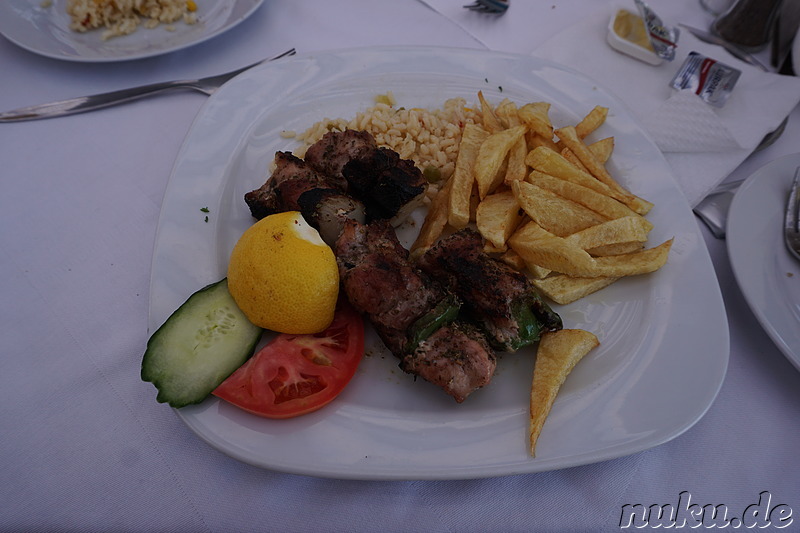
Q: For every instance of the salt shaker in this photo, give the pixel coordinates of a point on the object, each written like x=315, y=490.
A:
x=748, y=23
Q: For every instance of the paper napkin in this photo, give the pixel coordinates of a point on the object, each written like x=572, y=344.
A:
x=685, y=123
x=702, y=144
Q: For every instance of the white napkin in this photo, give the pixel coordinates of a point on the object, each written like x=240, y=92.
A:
x=703, y=144
x=685, y=123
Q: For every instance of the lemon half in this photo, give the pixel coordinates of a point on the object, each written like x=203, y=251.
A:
x=283, y=276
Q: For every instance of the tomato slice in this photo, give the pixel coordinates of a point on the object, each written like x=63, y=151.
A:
x=297, y=374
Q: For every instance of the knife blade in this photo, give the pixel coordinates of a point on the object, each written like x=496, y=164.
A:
x=82, y=104
x=734, y=50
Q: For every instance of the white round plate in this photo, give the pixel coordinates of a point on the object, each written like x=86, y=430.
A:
x=45, y=31
x=768, y=275
x=664, y=336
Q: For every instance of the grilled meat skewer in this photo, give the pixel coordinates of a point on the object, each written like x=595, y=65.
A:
x=380, y=281
x=352, y=191
x=414, y=316
x=497, y=297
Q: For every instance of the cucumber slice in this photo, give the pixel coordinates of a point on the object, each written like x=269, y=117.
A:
x=203, y=342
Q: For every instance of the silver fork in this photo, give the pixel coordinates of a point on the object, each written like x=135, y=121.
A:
x=88, y=103
x=791, y=224
x=496, y=7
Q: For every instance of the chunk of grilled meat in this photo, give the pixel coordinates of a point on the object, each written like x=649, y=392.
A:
x=390, y=187
x=401, y=302
x=334, y=150
x=381, y=282
x=500, y=299
x=290, y=179
x=456, y=357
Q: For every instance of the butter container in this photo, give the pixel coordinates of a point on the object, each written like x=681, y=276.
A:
x=627, y=34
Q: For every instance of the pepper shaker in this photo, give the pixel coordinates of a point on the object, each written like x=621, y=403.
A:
x=748, y=24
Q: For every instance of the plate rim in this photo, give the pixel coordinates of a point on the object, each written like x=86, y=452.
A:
x=605, y=454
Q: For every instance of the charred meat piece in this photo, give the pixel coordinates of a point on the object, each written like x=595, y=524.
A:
x=384, y=185
x=456, y=357
x=500, y=299
x=381, y=282
x=291, y=178
x=391, y=187
x=328, y=209
x=334, y=150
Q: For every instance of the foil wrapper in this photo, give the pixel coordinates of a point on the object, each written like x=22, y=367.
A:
x=663, y=38
x=707, y=78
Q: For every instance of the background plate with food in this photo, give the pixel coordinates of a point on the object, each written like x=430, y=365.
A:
x=43, y=27
x=764, y=268
x=663, y=336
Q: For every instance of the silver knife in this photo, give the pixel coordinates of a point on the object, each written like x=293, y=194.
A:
x=88, y=103
x=734, y=50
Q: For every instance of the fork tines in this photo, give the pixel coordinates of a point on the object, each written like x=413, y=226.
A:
x=791, y=227
x=488, y=6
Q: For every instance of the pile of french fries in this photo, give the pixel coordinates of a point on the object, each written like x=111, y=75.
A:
x=546, y=204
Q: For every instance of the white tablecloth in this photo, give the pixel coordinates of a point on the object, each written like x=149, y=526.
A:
x=85, y=447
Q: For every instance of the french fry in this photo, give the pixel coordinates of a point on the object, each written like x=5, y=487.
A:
x=570, y=156
x=535, y=140
x=552, y=212
x=497, y=217
x=512, y=259
x=508, y=114
x=538, y=246
x=517, y=169
x=593, y=120
x=563, y=289
x=536, y=116
x=570, y=138
x=463, y=178
x=607, y=207
x=620, y=230
x=435, y=221
x=556, y=356
x=551, y=162
x=490, y=121
x=491, y=249
x=619, y=248
x=603, y=149
x=491, y=156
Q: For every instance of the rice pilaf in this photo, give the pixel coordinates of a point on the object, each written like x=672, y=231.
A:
x=429, y=137
x=121, y=17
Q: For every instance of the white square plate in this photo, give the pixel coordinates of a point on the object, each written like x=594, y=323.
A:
x=664, y=336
